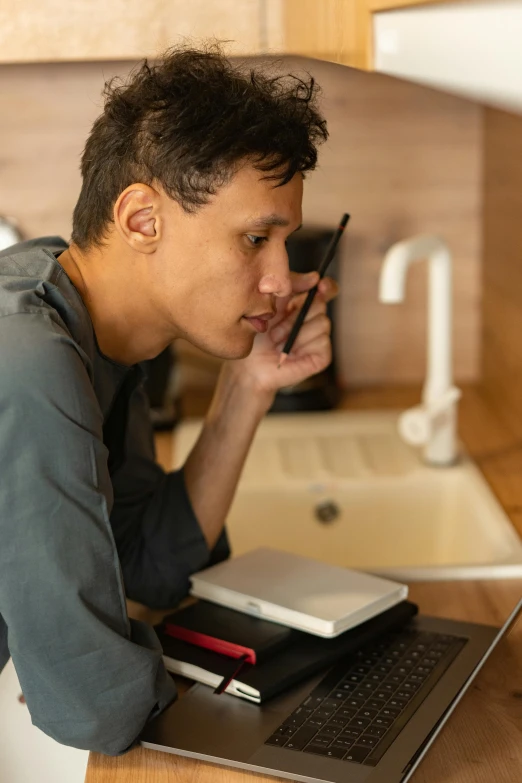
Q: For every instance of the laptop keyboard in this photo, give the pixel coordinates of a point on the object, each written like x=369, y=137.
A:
x=362, y=704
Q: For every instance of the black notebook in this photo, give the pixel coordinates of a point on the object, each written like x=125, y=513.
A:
x=304, y=655
x=228, y=632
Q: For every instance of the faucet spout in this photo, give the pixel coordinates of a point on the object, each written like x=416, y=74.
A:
x=439, y=380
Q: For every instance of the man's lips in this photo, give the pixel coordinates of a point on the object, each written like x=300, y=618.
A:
x=259, y=322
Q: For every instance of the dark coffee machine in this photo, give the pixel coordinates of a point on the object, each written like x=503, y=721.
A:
x=306, y=249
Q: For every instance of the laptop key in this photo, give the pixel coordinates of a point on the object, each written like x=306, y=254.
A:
x=367, y=740
x=301, y=738
x=376, y=731
x=368, y=686
x=404, y=695
x=383, y=721
x=329, y=730
x=357, y=754
x=341, y=742
x=403, y=669
x=334, y=753
x=296, y=719
x=313, y=701
x=332, y=702
x=354, y=704
x=441, y=646
x=359, y=723
x=286, y=731
x=338, y=721
x=395, y=678
x=323, y=712
x=346, y=712
x=322, y=742
x=368, y=660
x=398, y=704
x=376, y=704
x=376, y=677
x=410, y=687
x=382, y=695
x=416, y=677
x=276, y=739
x=361, y=669
x=389, y=712
x=368, y=713
x=316, y=722
x=350, y=732
x=355, y=677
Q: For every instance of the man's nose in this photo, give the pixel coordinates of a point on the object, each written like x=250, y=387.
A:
x=276, y=280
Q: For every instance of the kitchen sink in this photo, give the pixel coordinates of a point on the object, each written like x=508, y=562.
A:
x=343, y=488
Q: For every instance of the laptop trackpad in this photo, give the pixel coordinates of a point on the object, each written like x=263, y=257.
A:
x=204, y=723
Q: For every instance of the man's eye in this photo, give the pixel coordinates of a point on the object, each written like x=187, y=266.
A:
x=255, y=240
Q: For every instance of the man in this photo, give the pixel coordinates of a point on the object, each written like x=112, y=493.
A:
x=192, y=182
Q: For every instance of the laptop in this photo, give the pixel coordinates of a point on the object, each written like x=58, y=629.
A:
x=371, y=717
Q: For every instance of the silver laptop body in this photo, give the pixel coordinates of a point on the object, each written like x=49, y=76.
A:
x=229, y=731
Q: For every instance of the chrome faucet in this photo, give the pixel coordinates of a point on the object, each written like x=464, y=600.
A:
x=433, y=423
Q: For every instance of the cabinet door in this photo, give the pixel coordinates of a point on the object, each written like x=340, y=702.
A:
x=54, y=30
x=337, y=30
x=479, y=41
x=325, y=29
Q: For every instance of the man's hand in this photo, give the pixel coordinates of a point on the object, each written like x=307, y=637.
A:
x=312, y=350
x=245, y=391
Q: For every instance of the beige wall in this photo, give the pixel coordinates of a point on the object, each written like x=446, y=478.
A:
x=402, y=159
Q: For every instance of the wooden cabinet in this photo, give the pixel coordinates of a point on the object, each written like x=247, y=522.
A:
x=326, y=29
x=54, y=30
x=336, y=30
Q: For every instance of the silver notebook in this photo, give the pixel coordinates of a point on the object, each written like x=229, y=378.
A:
x=297, y=591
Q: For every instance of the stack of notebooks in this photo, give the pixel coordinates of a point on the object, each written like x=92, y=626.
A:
x=267, y=620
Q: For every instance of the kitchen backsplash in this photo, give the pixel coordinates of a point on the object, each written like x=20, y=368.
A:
x=401, y=158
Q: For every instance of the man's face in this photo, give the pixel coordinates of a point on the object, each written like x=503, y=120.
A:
x=220, y=270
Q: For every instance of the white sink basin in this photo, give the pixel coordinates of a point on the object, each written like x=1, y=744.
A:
x=389, y=513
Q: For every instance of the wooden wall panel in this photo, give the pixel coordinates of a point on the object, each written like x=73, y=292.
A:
x=402, y=159
x=502, y=266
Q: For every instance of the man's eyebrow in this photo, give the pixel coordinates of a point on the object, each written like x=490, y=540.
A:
x=271, y=220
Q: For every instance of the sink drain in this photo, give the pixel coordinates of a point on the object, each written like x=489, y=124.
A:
x=327, y=511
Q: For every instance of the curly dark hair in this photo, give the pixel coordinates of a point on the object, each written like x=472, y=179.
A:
x=188, y=122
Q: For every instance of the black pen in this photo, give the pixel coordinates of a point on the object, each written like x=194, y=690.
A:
x=312, y=292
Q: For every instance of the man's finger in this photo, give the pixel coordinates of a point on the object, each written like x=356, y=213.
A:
x=319, y=324
x=303, y=282
x=328, y=288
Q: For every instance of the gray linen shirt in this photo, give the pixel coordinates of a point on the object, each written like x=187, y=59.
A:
x=86, y=516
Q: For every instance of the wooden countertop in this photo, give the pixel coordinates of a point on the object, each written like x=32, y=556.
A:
x=482, y=741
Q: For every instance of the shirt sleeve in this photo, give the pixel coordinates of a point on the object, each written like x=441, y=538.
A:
x=157, y=534
x=91, y=677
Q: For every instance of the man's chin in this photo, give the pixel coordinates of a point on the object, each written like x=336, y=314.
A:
x=229, y=351
x=239, y=353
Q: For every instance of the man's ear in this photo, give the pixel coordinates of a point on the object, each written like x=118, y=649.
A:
x=137, y=219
